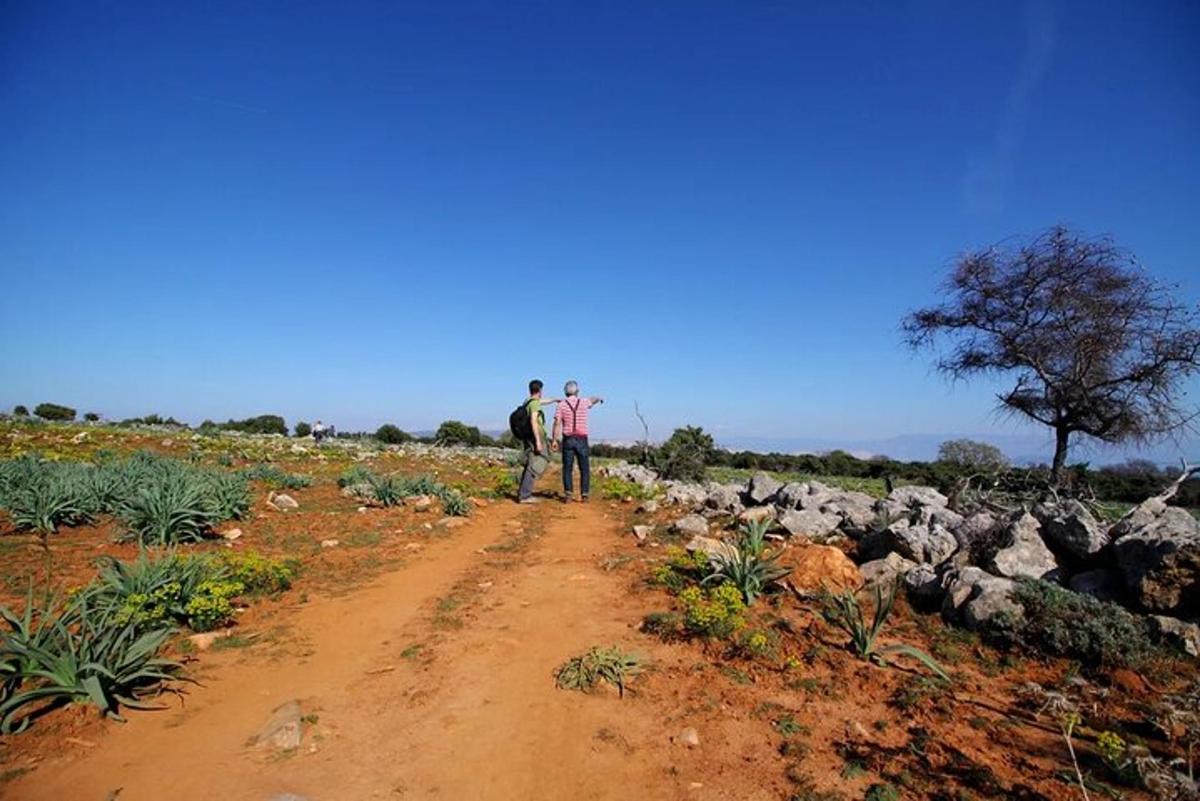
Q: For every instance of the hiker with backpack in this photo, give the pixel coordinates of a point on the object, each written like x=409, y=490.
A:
x=528, y=425
x=571, y=429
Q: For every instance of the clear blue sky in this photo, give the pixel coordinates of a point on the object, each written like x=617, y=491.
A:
x=373, y=212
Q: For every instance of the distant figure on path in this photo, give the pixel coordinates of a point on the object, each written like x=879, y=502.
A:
x=571, y=422
x=528, y=424
x=318, y=432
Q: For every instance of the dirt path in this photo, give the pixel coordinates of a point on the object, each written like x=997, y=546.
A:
x=435, y=682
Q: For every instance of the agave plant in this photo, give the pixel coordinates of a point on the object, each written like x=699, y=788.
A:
x=844, y=611
x=752, y=574
x=49, y=501
x=747, y=565
x=88, y=659
x=228, y=495
x=387, y=490
x=610, y=665
x=454, y=503
x=169, y=511
x=754, y=536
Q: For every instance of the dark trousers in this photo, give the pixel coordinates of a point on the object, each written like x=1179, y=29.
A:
x=572, y=448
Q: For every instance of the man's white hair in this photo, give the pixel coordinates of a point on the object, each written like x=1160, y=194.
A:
x=571, y=388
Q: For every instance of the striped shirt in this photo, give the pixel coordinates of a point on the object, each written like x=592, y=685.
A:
x=572, y=413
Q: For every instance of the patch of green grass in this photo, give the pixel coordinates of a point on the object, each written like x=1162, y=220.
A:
x=413, y=651
x=853, y=769
x=881, y=791
x=736, y=675
x=231, y=641
x=362, y=539
x=788, y=726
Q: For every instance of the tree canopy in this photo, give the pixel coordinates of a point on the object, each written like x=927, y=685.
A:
x=1096, y=347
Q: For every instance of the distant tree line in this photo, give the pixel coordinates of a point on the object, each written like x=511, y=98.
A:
x=689, y=451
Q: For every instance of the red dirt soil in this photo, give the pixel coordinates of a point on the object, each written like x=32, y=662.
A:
x=435, y=681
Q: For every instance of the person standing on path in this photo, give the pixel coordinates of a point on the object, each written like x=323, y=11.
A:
x=536, y=453
x=571, y=424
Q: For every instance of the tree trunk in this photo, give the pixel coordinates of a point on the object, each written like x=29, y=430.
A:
x=1061, y=435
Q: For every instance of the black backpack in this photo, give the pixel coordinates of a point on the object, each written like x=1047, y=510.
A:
x=520, y=423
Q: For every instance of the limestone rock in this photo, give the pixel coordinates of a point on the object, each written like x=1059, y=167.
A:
x=690, y=524
x=1024, y=555
x=1071, y=528
x=762, y=488
x=283, y=729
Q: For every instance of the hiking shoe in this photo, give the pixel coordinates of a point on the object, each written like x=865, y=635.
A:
x=584, y=499
x=530, y=499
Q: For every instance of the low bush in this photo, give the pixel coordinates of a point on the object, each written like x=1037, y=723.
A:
x=685, y=454
x=681, y=569
x=389, y=434
x=1059, y=622
x=454, y=432
x=717, y=613
x=259, y=574
x=20, y=411
x=302, y=429
x=615, y=488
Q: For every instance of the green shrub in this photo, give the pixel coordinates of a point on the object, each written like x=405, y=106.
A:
x=301, y=429
x=53, y=411
x=616, y=488
x=258, y=574
x=354, y=476
x=392, y=435
x=20, y=411
x=91, y=417
x=681, y=569
x=262, y=424
x=212, y=605
x=453, y=432
x=506, y=484
x=1059, y=622
x=716, y=613
x=684, y=456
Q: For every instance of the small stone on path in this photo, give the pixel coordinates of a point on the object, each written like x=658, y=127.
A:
x=689, y=737
x=329, y=543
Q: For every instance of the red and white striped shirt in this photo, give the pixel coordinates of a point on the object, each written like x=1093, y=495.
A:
x=572, y=413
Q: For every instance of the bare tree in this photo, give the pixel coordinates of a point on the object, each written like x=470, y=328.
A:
x=1098, y=349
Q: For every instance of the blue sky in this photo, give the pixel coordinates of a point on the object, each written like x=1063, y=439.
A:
x=373, y=212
